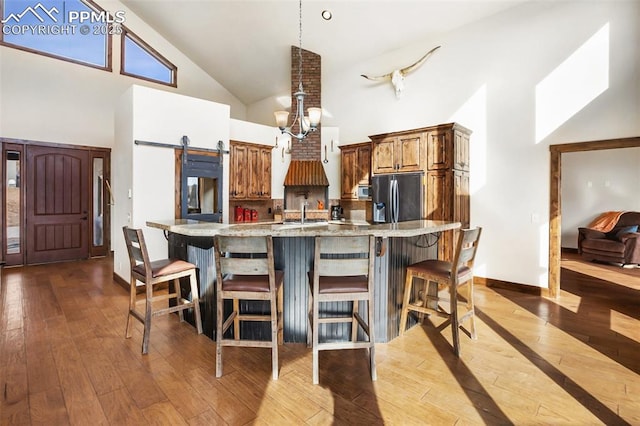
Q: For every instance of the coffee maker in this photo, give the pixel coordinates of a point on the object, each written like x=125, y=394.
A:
x=336, y=212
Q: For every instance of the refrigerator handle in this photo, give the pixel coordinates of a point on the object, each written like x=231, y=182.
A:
x=391, y=199
x=395, y=200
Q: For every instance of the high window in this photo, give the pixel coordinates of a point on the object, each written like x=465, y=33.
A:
x=80, y=31
x=75, y=30
x=141, y=60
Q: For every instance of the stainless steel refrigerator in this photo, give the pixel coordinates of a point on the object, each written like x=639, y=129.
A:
x=398, y=197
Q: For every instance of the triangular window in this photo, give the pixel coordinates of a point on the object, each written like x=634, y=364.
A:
x=140, y=60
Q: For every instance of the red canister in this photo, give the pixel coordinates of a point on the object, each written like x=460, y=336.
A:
x=239, y=214
x=247, y=215
x=254, y=215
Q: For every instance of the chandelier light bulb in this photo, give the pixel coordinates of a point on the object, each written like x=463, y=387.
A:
x=314, y=116
x=282, y=117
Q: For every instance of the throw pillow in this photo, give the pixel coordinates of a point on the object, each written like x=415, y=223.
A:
x=626, y=230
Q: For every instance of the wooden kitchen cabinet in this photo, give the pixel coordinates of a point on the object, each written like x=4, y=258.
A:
x=250, y=171
x=447, y=147
x=238, y=159
x=356, y=169
x=448, y=199
x=447, y=196
x=442, y=153
x=397, y=153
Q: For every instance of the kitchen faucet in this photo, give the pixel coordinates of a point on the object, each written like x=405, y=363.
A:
x=303, y=211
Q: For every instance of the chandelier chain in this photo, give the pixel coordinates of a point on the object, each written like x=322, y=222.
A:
x=300, y=46
x=304, y=124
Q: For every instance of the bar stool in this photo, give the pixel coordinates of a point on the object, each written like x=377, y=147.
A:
x=342, y=272
x=245, y=271
x=450, y=275
x=150, y=273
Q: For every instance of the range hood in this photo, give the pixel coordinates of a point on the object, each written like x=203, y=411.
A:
x=306, y=173
x=306, y=182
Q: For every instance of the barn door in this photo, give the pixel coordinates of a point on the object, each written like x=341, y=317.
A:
x=57, y=204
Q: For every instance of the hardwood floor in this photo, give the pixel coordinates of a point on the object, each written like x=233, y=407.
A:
x=574, y=360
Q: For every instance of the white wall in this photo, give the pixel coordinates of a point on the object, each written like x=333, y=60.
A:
x=121, y=181
x=46, y=99
x=147, y=172
x=497, y=78
x=595, y=182
x=332, y=166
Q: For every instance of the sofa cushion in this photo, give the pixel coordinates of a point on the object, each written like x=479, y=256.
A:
x=603, y=244
x=626, y=230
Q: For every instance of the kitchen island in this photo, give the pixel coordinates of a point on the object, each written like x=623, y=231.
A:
x=397, y=246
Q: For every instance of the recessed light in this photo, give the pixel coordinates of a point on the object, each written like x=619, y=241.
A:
x=326, y=15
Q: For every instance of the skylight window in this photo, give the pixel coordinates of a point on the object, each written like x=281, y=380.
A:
x=75, y=30
x=142, y=61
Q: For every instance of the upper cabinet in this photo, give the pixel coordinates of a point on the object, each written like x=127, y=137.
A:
x=238, y=160
x=397, y=153
x=250, y=171
x=356, y=169
x=447, y=148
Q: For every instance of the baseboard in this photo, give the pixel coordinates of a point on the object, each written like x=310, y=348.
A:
x=507, y=285
x=121, y=281
x=569, y=250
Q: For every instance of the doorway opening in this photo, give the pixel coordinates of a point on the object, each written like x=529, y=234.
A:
x=555, y=198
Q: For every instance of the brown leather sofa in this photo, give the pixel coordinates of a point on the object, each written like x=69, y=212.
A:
x=617, y=245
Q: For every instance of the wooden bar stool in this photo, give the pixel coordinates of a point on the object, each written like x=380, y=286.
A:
x=342, y=272
x=451, y=276
x=150, y=273
x=245, y=271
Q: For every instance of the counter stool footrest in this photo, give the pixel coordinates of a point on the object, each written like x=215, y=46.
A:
x=330, y=346
x=247, y=343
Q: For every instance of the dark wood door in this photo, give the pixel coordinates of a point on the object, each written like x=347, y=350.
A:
x=57, y=205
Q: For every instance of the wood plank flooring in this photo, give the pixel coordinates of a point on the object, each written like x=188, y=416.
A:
x=574, y=361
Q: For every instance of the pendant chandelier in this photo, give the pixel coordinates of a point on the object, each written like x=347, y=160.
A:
x=308, y=123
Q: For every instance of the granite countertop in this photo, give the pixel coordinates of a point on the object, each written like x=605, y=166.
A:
x=311, y=229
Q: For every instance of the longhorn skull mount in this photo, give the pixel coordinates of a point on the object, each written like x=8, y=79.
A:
x=397, y=76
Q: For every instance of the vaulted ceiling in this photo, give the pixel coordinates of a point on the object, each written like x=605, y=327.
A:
x=245, y=44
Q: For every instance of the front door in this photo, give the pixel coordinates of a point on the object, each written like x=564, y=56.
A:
x=57, y=204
